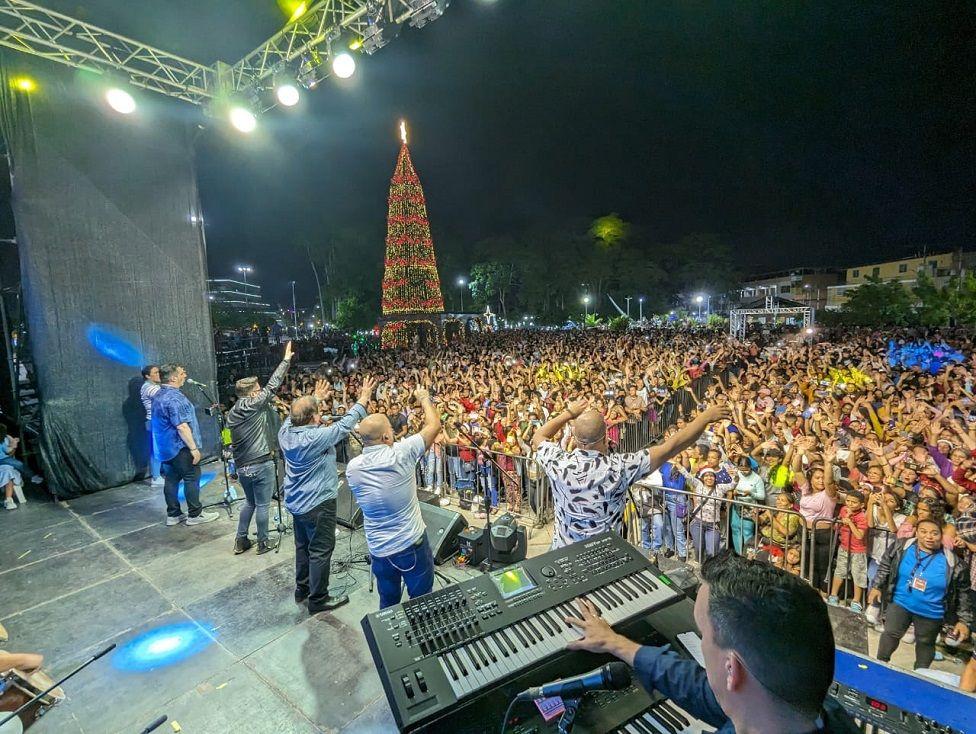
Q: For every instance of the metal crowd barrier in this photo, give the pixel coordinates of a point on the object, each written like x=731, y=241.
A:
x=662, y=519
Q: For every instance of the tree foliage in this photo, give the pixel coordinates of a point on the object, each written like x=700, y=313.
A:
x=878, y=303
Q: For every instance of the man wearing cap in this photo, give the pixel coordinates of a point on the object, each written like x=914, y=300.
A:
x=253, y=424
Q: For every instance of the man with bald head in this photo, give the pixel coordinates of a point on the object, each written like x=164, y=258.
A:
x=384, y=481
x=589, y=484
x=311, y=486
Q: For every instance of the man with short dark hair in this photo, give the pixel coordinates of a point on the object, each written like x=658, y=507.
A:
x=311, y=487
x=149, y=387
x=759, y=675
x=176, y=434
x=253, y=425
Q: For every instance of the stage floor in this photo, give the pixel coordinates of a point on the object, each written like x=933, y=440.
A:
x=104, y=568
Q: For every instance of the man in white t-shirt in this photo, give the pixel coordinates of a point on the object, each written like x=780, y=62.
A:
x=383, y=479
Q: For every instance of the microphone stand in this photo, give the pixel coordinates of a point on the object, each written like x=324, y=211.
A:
x=50, y=688
x=487, y=564
x=214, y=412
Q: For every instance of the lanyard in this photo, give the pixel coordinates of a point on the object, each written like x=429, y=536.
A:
x=921, y=564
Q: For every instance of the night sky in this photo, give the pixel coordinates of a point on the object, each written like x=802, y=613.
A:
x=825, y=133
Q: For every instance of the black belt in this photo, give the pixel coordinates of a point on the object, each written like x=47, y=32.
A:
x=259, y=460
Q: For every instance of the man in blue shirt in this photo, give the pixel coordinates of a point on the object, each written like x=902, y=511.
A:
x=311, y=487
x=768, y=648
x=176, y=435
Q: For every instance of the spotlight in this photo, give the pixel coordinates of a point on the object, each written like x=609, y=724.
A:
x=120, y=101
x=343, y=66
x=287, y=94
x=24, y=84
x=243, y=119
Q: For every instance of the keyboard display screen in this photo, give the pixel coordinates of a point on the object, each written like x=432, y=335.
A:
x=512, y=581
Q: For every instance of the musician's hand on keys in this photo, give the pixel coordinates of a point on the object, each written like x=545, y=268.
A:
x=597, y=633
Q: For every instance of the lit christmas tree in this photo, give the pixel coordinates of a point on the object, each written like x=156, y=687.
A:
x=411, y=285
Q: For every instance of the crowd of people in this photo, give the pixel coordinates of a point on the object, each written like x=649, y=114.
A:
x=830, y=461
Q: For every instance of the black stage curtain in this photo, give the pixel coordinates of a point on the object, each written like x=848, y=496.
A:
x=112, y=262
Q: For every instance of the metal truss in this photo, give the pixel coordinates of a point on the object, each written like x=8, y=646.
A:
x=32, y=29
x=740, y=317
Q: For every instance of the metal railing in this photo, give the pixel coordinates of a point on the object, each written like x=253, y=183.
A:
x=662, y=519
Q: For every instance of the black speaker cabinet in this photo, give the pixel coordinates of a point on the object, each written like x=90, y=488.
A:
x=348, y=513
x=443, y=528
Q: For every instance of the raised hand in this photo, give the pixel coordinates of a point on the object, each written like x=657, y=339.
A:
x=366, y=391
x=321, y=388
x=578, y=406
x=421, y=393
x=717, y=413
x=288, y=352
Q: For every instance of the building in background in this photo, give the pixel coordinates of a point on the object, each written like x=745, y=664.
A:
x=236, y=295
x=805, y=286
x=939, y=267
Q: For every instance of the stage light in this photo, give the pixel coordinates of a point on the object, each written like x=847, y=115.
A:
x=243, y=119
x=110, y=343
x=298, y=12
x=157, y=648
x=287, y=94
x=23, y=84
x=343, y=66
x=120, y=101
x=356, y=44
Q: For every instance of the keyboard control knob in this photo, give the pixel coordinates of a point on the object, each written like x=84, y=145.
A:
x=548, y=571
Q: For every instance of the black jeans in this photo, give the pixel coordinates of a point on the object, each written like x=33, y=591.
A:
x=314, y=543
x=897, y=619
x=181, y=467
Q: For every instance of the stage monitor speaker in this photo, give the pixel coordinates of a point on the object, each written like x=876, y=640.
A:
x=443, y=528
x=348, y=512
x=428, y=498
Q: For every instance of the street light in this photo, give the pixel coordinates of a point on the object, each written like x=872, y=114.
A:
x=244, y=270
x=586, y=306
x=698, y=300
x=461, y=283
x=294, y=309
x=640, y=305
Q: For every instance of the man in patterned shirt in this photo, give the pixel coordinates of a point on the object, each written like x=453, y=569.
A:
x=589, y=484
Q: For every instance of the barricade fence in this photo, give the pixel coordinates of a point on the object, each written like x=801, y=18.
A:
x=694, y=525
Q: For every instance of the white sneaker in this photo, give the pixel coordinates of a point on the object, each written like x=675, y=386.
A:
x=175, y=520
x=202, y=518
x=37, y=479
x=157, y=482
x=8, y=504
x=19, y=494
x=445, y=501
x=909, y=637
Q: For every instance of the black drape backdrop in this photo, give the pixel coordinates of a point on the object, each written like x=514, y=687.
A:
x=113, y=266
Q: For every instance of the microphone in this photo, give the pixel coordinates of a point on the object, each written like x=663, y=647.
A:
x=155, y=725
x=194, y=382
x=611, y=677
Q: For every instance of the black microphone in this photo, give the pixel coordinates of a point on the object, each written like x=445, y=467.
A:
x=155, y=725
x=611, y=677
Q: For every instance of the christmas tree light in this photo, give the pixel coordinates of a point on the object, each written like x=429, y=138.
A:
x=411, y=284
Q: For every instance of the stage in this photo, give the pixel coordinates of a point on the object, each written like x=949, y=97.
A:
x=232, y=650
x=104, y=568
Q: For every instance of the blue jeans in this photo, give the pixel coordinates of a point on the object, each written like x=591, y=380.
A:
x=706, y=538
x=433, y=470
x=181, y=467
x=414, y=566
x=668, y=531
x=258, y=483
x=153, y=453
